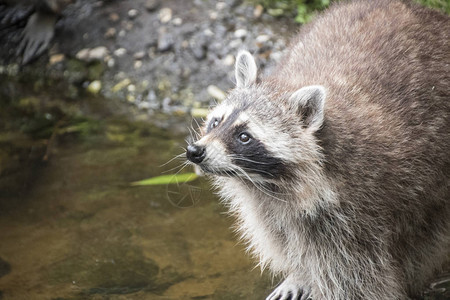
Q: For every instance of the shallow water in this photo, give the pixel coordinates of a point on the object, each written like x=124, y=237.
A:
x=80, y=231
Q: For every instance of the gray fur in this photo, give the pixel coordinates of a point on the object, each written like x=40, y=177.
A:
x=363, y=210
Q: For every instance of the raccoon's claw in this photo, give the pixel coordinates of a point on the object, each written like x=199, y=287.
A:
x=290, y=290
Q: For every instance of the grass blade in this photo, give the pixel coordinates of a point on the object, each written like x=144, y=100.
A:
x=166, y=179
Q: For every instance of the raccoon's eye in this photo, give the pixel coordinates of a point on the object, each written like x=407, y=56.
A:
x=244, y=138
x=214, y=123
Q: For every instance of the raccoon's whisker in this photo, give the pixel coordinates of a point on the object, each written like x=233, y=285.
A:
x=260, y=171
x=191, y=135
x=172, y=159
x=182, y=166
x=258, y=186
x=196, y=122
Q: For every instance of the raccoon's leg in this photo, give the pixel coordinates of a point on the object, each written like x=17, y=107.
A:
x=290, y=289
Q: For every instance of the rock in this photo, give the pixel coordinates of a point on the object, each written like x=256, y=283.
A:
x=213, y=15
x=131, y=88
x=151, y=5
x=208, y=32
x=235, y=44
x=94, y=87
x=83, y=54
x=228, y=60
x=139, y=55
x=122, y=84
x=165, y=40
x=165, y=15
x=129, y=25
x=110, y=33
x=137, y=64
x=56, y=58
x=120, y=52
x=110, y=62
x=132, y=13
x=216, y=92
x=262, y=38
x=240, y=33
x=221, y=5
x=257, y=12
x=114, y=17
x=89, y=55
x=131, y=98
x=177, y=21
x=275, y=12
x=276, y=56
x=98, y=53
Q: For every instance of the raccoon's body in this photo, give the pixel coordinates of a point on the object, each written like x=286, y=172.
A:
x=337, y=165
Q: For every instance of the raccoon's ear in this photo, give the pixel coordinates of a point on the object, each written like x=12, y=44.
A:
x=309, y=101
x=245, y=69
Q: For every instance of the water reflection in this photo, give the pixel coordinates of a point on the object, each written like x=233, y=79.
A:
x=80, y=232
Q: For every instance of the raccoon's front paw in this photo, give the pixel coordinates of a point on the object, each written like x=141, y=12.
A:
x=290, y=290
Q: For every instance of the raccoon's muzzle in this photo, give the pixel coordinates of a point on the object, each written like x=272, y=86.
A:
x=196, y=154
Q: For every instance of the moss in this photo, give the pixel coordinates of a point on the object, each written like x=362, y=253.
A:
x=442, y=5
x=304, y=10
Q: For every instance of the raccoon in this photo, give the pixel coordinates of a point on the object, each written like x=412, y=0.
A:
x=337, y=164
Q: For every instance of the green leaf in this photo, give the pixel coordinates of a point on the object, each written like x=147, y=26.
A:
x=166, y=179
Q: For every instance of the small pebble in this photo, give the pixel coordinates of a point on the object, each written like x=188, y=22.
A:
x=216, y=92
x=120, y=52
x=228, y=60
x=114, y=17
x=88, y=55
x=98, y=53
x=132, y=13
x=56, y=58
x=262, y=38
x=177, y=21
x=110, y=33
x=221, y=5
x=131, y=98
x=122, y=84
x=240, y=33
x=139, y=55
x=208, y=32
x=184, y=44
x=94, y=87
x=137, y=64
x=257, y=12
x=151, y=5
x=235, y=44
x=110, y=62
x=213, y=15
x=165, y=15
x=129, y=26
x=131, y=88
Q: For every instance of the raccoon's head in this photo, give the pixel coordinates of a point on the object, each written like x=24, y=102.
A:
x=262, y=131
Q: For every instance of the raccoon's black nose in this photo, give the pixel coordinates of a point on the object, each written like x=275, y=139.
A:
x=195, y=153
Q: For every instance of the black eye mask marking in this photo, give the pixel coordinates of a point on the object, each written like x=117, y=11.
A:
x=253, y=156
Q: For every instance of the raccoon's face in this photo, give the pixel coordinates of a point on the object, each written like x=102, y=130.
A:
x=253, y=137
